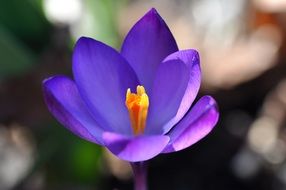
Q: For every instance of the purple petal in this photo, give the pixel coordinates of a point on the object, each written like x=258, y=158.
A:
x=146, y=45
x=192, y=60
x=135, y=149
x=194, y=126
x=103, y=77
x=168, y=89
x=64, y=102
x=175, y=87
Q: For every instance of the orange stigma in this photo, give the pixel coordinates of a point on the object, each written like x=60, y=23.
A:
x=137, y=105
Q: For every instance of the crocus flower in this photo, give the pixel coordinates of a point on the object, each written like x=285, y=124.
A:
x=135, y=102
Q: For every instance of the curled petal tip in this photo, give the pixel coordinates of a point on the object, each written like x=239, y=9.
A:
x=212, y=102
x=82, y=39
x=47, y=80
x=153, y=10
x=153, y=14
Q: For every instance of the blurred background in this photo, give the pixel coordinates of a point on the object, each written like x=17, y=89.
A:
x=243, y=58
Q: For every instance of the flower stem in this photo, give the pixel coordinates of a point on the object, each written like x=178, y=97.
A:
x=140, y=175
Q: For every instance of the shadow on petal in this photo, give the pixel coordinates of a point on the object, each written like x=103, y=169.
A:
x=137, y=148
x=194, y=126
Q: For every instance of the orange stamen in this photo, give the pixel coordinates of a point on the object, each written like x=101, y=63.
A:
x=137, y=105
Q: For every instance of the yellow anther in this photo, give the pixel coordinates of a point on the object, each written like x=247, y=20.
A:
x=137, y=105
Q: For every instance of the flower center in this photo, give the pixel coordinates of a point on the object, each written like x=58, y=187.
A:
x=137, y=105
